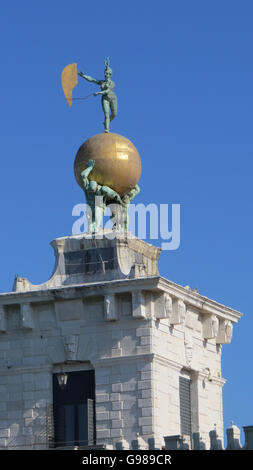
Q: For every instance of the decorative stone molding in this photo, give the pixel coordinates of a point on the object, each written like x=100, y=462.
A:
x=139, y=270
x=117, y=350
x=70, y=343
x=156, y=284
x=178, y=312
x=210, y=327
x=3, y=320
x=188, y=348
x=225, y=332
x=138, y=304
x=168, y=306
x=58, y=245
x=81, y=258
x=21, y=284
x=110, y=308
x=26, y=312
x=199, y=302
x=163, y=306
x=191, y=319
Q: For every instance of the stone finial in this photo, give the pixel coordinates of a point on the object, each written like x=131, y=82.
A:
x=225, y=332
x=71, y=347
x=233, y=437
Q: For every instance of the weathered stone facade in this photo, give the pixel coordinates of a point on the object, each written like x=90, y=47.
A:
x=109, y=310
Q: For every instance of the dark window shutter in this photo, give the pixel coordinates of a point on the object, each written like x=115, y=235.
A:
x=185, y=405
x=90, y=408
x=60, y=425
x=50, y=426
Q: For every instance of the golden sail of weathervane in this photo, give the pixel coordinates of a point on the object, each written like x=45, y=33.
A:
x=69, y=81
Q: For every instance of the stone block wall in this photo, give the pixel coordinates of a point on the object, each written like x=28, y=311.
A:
x=140, y=336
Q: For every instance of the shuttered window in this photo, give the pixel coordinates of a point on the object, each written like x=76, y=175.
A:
x=185, y=405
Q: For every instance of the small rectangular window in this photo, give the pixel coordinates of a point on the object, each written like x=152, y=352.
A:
x=93, y=260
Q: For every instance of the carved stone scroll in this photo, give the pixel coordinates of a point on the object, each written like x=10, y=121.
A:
x=110, y=308
x=178, y=312
x=163, y=306
x=210, y=327
x=138, y=305
x=225, y=332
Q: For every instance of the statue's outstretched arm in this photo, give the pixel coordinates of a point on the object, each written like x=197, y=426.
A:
x=90, y=79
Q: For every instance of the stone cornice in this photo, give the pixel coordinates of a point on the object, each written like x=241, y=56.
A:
x=80, y=290
x=155, y=283
x=26, y=369
x=200, y=302
x=111, y=361
x=157, y=358
x=216, y=380
x=180, y=367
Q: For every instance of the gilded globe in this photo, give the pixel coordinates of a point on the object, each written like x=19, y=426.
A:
x=117, y=162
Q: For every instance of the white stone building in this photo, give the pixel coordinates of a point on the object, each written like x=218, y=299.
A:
x=142, y=354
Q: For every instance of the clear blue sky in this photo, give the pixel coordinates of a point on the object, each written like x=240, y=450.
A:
x=184, y=78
